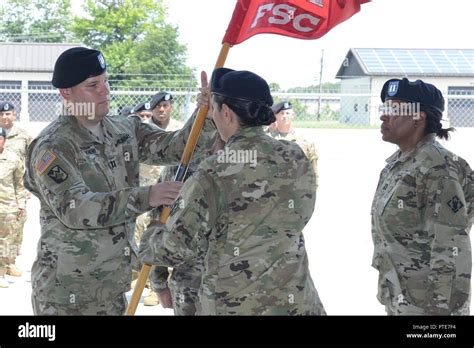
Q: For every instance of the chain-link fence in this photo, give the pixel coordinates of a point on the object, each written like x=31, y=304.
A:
x=41, y=102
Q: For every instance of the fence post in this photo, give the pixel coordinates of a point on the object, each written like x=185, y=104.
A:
x=24, y=115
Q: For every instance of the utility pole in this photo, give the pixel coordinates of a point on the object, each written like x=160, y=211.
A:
x=320, y=84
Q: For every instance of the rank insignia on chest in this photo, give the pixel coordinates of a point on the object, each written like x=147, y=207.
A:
x=58, y=174
x=122, y=139
x=45, y=161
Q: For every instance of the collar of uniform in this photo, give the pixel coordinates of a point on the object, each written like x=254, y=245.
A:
x=281, y=134
x=399, y=156
x=153, y=121
x=10, y=132
x=80, y=130
x=247, y=132
x=174, y=125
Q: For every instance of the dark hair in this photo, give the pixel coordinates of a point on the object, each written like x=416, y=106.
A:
x=433, y=123
x=250, y=113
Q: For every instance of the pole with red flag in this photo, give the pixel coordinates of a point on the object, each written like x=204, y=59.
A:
x=302, y=19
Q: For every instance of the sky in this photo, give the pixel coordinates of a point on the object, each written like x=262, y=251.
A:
x=291, y=62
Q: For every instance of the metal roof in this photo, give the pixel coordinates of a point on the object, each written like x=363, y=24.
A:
x=401, y=61
x=31, y=57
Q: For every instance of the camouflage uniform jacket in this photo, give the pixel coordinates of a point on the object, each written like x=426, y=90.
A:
x=307, y=147
x=12, y=191
x=243, y=223
x=90, y=197
x=150, y=174
x=421, y=216
x=18, y=140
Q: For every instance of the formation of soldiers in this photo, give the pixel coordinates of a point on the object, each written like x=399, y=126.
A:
x=233, y=244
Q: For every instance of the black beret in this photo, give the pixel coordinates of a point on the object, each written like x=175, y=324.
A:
x=159, y=97
x=284, y=105
x=126, y=111
x=241, y=84
x=6, y=106
x=76, y=65
x=145, y=106
x=415, y=92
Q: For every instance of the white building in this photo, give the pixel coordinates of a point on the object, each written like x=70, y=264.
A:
x=365, y=70
x=24, y=67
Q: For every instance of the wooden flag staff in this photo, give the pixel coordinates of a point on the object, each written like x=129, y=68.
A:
x=188, y=151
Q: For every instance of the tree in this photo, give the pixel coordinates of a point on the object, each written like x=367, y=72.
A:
x=274, y=87
x=36, y=21
x=327, y=87
x=135, y=40
x=160, y=53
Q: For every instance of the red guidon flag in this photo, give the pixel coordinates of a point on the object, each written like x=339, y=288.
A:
x=302, y=19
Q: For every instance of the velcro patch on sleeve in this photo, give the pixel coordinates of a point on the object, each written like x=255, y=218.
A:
x=58, y=174
x=46, y=160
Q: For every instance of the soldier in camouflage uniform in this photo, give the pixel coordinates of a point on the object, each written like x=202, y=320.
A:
x=422, y=211
x=12, y=204
x=142, y=110
x=18, y=141
x=240, y=216
x=84, y=169
x=282, y=129
x=3, y=135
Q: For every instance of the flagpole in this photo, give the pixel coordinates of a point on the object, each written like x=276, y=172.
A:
x=320, y=84
x=188, y=151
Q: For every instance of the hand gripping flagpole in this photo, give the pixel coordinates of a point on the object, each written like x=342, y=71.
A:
x=188, y=151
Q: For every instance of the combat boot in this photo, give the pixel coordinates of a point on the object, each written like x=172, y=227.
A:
x=14, y=271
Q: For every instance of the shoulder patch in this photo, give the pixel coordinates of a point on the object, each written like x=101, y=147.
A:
x=58, y=174
x=46, y=160
x=455, y=204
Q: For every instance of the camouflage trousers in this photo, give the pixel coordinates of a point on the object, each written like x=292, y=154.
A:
x=10, y=243
x=15, y=239
x=184, y=285
x=115, y=307
x=184, y=300
x=412, y=310
x=141, y=225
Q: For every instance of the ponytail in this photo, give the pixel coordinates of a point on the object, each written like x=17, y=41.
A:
x=433, y=123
